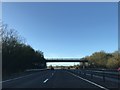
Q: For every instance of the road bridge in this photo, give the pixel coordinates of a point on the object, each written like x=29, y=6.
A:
x=83, y=61
x=65, y=60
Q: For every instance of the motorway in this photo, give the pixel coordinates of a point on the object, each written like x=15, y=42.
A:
x=52, y=79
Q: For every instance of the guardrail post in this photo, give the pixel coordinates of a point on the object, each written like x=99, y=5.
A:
x=91, y=74
x=84, y=73
x=119, y=79
x=118, y=75
x=80, y=72
x=103, y=76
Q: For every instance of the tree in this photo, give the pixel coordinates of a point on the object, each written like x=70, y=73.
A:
x=104, y=60
x=16, y=55
x=114, y=62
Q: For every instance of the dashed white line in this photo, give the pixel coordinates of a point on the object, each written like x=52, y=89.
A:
x=49, y=78
x=89, y=81
x=45, y=80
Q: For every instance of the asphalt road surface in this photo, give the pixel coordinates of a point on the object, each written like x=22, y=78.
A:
x=51, y=79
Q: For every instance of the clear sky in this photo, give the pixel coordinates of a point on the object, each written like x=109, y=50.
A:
x=65, y=30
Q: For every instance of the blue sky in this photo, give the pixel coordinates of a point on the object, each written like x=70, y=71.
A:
x=65, y=30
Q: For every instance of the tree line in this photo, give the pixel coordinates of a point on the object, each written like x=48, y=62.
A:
x=16, y=55
x=102, y=59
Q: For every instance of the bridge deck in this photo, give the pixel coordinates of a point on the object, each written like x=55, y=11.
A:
x=65, y=60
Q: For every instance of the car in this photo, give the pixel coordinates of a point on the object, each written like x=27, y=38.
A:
x=118, y=69
x=52, y=68
x=76, y=67
x=68, y=67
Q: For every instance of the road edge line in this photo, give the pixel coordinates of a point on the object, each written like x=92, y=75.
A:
x=15, y=78
x=89, y=81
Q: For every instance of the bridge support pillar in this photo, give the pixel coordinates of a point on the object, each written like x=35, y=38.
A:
x=83, y=65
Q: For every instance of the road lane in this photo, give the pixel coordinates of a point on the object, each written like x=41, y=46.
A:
x=32, y=81
x=90, y=82
x=109, y=82
x=63, y=79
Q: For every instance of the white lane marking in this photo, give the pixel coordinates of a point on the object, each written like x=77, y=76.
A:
x=49, y=78
x=15, y=78
x=89, y=81
x=45, y=80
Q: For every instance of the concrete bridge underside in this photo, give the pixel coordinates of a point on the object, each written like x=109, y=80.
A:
x=66, y=60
